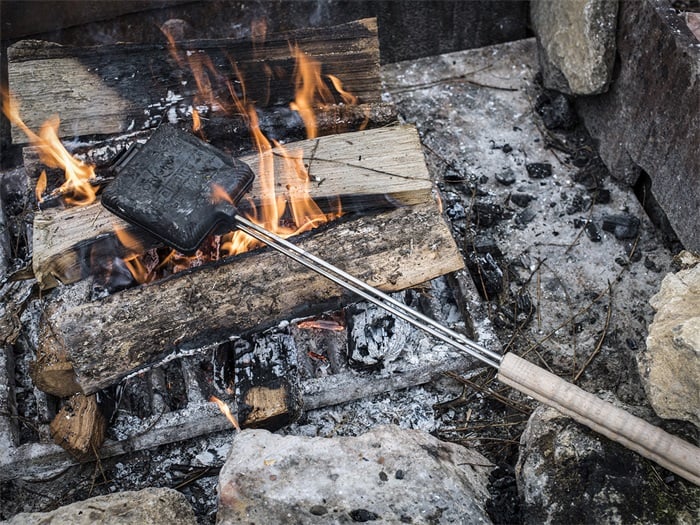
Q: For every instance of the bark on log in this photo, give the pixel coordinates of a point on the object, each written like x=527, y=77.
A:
x=109, y=338
x=367, y=169
x=135, y=86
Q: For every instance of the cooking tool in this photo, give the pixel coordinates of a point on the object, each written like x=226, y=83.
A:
x=182, y=215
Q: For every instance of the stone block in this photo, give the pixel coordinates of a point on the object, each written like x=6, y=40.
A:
x=650, y=117
x=576, y=43
x=670, y=364
x=388, y=475
x=568, y=474
x=152, y=506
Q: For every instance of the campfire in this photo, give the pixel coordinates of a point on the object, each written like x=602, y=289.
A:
x=99, y=260
x=234, y=233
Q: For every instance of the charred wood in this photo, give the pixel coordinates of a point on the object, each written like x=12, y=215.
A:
x=356, y=168
x=109, y=338
x=136, y=86
x=267, y=383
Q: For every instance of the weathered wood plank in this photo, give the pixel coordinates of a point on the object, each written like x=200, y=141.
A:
x=110, y=338
x=117, y=88
x=385, y=162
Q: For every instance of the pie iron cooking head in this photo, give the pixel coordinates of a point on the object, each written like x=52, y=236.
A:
x=166, y=187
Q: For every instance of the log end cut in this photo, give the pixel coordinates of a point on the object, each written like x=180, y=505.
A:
x=80, y=427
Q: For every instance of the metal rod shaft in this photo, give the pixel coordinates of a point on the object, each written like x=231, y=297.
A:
x=351, y=283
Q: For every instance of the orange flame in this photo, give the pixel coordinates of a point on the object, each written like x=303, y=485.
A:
x=40, y=187
x=309, y=90
x=139, y=271
x=348, y=98
x=304, y=212
x=225, y=410
x=196, y=122
x=76, y=189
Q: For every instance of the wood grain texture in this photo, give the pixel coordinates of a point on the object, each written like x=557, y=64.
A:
x=121, y=87
x=384, y=162
x=79, y=427
x=126, y=331
x=650, y=441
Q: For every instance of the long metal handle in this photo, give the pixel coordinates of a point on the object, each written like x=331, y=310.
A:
x=344, y=279
x=667, y=450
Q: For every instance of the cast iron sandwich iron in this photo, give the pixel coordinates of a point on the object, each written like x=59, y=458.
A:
x=166, y=187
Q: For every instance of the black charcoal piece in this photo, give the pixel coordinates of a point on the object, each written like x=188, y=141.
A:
x=485, y=214
x=539, y=170
x=651, y=265
x=506, y=177
x=556, y=111
x=623, y=226
x=318, y=510
x=363, y=515
x=592, y=232
x=601, y=196
x=487, y=275
x=521, y=199
x=484, y=244
x=579, y=203
x=456, y=211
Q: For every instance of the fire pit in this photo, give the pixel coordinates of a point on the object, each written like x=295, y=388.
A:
x=526, y=219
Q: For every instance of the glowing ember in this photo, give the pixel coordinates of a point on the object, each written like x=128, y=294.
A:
x=321, y=324
x=76, y=189
x=225, y=410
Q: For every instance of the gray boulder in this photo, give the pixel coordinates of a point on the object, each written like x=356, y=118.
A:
x=670, y=365
x=576, y=43
x=569, y=474
x=388, y=475
x=648, y=119
x=152, y=506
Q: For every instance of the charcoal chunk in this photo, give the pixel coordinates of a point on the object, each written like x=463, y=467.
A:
x=556, y=111
x=539, y=170
x=485, y=214
x=601, y=196
x=487, y=275
x=363, y=515
x=578, y=204
x=592, y=232
x=521, y=199
x=482, y=244
x=622, y=226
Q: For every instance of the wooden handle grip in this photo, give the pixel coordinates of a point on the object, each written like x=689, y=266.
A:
x=650, y=441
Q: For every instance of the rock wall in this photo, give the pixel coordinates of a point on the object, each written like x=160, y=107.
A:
x=649, y=119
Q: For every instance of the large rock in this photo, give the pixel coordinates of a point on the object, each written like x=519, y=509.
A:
x=576, y=43
x=388, y=474
x=152, y=506
x=670, y=365
x=649, y=118
x=568, y=474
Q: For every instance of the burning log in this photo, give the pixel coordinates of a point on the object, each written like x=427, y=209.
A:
x=79, y=427
x=357, y=168
x=109, y=338
x=135, y=86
